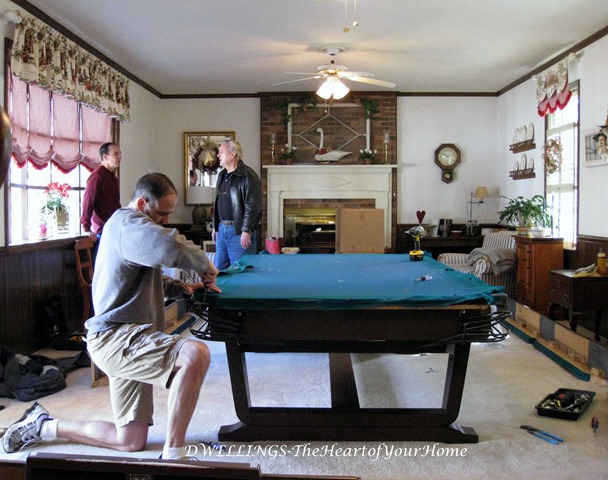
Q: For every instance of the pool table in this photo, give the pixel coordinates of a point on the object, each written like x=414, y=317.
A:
x=343, y=304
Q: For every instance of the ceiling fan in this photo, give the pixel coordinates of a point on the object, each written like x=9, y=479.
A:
x=333, y=74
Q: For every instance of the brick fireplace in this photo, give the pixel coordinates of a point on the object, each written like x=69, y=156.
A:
x=347, y=183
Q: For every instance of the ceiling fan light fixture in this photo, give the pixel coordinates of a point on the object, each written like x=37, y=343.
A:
x=332, y=87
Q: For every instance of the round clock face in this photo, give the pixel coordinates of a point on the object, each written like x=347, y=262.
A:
x=447, y=156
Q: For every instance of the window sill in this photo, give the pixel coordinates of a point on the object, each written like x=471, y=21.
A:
x=37, y=245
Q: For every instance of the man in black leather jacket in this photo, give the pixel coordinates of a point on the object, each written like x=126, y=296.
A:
x=238, y=207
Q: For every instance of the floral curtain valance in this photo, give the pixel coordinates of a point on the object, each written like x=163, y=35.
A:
x=43, y=56
x=552, y=90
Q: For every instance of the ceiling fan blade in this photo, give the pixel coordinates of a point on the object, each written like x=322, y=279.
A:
x=298, y=80
x=357, y=74
x=302, y=73
x=371, y=81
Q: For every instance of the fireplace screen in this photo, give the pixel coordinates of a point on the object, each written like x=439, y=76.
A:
x=312, y=230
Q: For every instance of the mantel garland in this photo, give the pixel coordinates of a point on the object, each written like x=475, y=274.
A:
x=43, y=56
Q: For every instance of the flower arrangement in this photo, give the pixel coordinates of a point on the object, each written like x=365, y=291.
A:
x=552, y=155
x=367, y=153
x=56, y=194
x=288, y=154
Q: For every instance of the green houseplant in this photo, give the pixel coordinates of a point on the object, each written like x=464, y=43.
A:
x=525, y=212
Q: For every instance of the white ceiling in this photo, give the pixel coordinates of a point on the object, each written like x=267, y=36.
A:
x=204, y=47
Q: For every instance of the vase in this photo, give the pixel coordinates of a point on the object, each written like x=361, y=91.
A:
x=63, y=223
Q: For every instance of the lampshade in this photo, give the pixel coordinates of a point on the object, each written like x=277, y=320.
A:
x=199, y=195
x=332, y=87
x=481, y=192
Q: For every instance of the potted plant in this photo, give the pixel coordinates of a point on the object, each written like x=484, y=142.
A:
x=525, y=212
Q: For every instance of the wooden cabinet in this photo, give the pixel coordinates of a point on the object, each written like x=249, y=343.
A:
x=438, y=245
x=536, y=257
x=578, y=295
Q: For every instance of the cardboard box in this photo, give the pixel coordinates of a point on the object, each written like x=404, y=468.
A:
x=360, y=230
x=171, y=314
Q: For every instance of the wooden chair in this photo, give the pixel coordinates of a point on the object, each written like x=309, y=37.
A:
x=83, y=249
x=84, y=272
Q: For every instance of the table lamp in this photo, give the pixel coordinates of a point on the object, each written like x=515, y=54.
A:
x=480, y=193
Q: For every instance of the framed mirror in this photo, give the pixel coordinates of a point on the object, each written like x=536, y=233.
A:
x=201, y=165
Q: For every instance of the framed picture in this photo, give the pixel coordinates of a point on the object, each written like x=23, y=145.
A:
x=201, y=165
x=593, y=153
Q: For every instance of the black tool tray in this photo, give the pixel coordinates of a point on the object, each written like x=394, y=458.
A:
x=559, y=404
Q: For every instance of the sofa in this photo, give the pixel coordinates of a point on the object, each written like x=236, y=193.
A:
x=494, y=262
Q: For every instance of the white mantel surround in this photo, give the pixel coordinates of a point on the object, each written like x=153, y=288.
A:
x=328, y=182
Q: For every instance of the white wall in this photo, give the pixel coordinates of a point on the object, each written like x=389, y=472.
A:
x=515, y=109
x=139, y=141
x=154, y=139
x=593, y=195
x=423, y=124
x=518, y=107
x=241, y=116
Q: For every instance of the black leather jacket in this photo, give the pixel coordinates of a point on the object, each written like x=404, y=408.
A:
x=245, y=197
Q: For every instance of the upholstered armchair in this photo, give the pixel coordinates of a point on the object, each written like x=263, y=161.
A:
x=494, y=262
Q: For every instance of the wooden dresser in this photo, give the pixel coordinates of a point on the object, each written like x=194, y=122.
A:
x=536, y=257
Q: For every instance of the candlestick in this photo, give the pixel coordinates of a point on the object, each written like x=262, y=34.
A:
x=387, y=139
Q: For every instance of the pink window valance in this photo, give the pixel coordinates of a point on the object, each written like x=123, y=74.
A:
x=552, y=90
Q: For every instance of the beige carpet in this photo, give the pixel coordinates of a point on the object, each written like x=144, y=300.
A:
x=505, y=381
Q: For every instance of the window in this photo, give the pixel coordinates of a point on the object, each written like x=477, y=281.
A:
x=561, y=187
x=55, y=139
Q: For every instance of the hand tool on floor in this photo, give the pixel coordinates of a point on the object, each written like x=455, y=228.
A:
x=547, y=437
x=595, y=423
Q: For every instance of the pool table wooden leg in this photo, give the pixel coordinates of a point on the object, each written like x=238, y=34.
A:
x=345, y=420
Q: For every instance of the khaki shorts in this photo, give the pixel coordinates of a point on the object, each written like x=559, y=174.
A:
x=134, y=357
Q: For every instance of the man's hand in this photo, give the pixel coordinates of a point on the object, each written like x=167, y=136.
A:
x=190, y=288
x=209, y=278
x=246, y=240
x=93, y=237
x=208, y=282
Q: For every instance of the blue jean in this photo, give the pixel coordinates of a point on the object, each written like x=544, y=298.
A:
x=228, y=246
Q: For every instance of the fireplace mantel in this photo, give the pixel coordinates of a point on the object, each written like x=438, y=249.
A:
x=328, y=182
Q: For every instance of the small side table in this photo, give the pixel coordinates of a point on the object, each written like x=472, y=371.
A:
x=578, y=295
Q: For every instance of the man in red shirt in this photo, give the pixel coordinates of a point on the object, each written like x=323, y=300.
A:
x=101, y=195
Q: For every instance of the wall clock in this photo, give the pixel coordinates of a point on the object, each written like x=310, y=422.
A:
x=447, y=156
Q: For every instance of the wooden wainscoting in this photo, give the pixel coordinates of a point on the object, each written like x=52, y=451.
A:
x=31, y=273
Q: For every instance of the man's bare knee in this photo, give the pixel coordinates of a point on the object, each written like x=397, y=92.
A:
x=194, y=354
x=133, y=447
x=133, y=437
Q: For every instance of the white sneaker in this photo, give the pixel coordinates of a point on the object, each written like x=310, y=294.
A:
x=25, y=432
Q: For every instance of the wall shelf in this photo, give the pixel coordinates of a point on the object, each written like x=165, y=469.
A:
x=522, y=146
x=522, y=174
